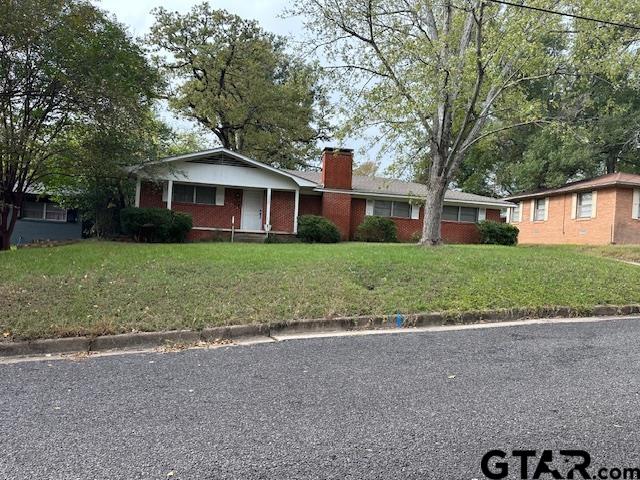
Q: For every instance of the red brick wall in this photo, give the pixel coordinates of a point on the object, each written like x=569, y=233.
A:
x=310, y=205
x=337, y=167
x=452, y=232
x=494, y=215
x=458, y=232
x=214, y=216
x=337, y=208
x=282, y=210
x=211, y=216
x=151, y=195
x=406, y=226
x=346, y=212
x=358, y=210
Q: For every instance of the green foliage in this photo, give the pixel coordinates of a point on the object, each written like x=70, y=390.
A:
x=155, y=224
x=437, y=78
x=237, y=80
x=98, y=153
x=498, y=233
x=315, y=229
x=65, y=67
x=377, y=229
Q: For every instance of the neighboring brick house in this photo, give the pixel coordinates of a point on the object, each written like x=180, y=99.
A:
x=225, y=191
x=597, y=211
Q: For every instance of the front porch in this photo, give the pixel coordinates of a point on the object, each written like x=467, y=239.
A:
x=221, y=208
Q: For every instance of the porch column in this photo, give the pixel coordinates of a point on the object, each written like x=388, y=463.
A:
x=267, y=218
x=138, y=187
x=296, y=204
x=169, y=193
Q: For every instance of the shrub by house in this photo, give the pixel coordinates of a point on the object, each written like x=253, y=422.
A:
x=496, y=233
x=377, y=229
x=155, y=224
x=316, y=229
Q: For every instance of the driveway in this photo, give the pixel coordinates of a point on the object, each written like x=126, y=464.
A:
x=414, y=406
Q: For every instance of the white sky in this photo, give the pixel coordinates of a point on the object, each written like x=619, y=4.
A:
x=136, y=14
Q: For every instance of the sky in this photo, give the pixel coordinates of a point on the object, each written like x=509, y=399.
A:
x=136, y=15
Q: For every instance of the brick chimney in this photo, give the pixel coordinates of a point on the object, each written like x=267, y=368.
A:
x=337, y=168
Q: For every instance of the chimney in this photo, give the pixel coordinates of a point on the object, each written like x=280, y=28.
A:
x=337, y=168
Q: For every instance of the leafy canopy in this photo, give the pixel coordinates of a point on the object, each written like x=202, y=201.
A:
x=238, y=81
x=63, y=63
x=433, y=75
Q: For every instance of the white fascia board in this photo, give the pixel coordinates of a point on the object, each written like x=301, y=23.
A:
x=359, y=194
x=478, y=203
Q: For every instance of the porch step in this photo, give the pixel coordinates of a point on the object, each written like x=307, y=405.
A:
x=245, y=237
x=249, y=237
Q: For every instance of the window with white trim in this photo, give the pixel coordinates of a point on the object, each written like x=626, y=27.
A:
x=460, y=214
x=193, y=194
x=540, y=209
x=388, y=208
x=516, y=212
x=584, y=205
x=43, y=211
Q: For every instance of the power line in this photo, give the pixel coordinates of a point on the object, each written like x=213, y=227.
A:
x=555, y=12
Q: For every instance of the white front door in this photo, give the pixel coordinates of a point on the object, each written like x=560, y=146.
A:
x=252, y=210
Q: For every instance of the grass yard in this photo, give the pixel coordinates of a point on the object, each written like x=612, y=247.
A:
x=102, y=288
x=626, y=253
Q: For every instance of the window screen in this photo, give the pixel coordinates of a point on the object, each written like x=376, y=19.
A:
x=585, y=203
x=54, y=212
x=182, y=193
x=468, y=214
x=206, y=195
x=450, y=213
x=33, y=210
x=382, y=208
x=541, y=204
x=401, y=209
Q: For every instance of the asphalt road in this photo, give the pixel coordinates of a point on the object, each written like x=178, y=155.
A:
x=415, y=406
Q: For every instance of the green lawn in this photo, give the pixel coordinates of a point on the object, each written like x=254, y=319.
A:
x=627, y=253
x=102, y=287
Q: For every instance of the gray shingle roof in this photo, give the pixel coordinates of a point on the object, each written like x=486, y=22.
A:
x=389, y=186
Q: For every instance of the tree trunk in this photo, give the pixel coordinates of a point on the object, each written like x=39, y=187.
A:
x=7, y=223
x=431, y=228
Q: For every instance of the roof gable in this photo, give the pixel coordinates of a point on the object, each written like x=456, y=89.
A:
x=223, y=156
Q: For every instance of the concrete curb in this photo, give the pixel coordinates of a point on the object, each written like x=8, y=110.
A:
x=157, y=339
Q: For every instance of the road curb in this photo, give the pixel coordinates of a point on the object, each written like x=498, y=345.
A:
x=139, y=340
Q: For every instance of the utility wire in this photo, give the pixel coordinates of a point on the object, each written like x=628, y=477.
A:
x=555, y=12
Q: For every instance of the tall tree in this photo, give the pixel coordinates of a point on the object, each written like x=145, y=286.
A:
x=368, y=168
x=433, y=74
x=91, y=174
x=238, y=81
x=596, y=130
x=62, y=62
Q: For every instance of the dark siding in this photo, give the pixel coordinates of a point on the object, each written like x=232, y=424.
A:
x=27, y=231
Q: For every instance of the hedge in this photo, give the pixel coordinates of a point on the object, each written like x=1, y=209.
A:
x=315, y=229
x=497, y=233
x=155, y=224
x=377, y=229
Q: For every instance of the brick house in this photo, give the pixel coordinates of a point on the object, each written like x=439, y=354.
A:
x=597, y=211
x=225, y=191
